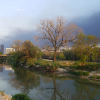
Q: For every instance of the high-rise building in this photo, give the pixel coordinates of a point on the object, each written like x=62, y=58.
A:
x=2, y=48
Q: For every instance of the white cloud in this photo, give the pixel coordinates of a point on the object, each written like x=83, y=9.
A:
x=20, y=9
x=17, y=9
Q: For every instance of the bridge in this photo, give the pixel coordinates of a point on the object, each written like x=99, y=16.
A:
x=3, y=56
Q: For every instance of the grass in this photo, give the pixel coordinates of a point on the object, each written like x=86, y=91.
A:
x=89, y=66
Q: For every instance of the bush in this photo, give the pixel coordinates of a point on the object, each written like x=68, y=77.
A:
x=97, y=77
x=88, y=66
x=20, y=97
x=62, y=56
x=29, y=62
x=79, y=73
x=61, y=66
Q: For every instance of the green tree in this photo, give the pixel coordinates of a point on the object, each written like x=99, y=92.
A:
x=1, y=53
x=84, y=44
x=28, y=53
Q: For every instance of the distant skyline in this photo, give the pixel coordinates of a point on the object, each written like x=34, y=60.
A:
x=19, y=18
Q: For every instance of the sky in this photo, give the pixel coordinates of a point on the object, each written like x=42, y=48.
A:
x=19, y=18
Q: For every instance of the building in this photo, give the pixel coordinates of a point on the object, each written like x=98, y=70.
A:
x=2, y=48
x=9, y=50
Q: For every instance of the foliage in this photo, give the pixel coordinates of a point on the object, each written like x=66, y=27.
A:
x=1, y=53
x=70, y=54
x=84, y=44
x=96, y=77
x=30, y=62
x=62, y=56
x=17, y=45
x=87, y=66
x=28, y=53
x=79, y=73
x=21, y=97
x=48, y=65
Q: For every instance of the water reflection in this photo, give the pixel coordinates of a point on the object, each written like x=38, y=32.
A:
x=55, y=92
x=86, y=91
x=4, y=66
x=44, y=86
x=1, y=67
x=24, y=79
x=8, y=67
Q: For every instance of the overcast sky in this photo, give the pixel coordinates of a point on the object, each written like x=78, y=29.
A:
x=19, y=18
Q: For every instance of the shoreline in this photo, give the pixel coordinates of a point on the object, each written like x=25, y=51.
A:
x=62, y=72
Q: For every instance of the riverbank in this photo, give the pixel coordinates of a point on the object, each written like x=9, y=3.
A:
x=68, y=68
x=4, y=96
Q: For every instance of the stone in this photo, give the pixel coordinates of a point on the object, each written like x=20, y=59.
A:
x=9, y=96
x=3, y=96
x=62, y=70
x=26, y=66
x=37, y=66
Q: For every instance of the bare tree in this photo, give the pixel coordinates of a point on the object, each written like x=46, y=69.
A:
x=57, y=33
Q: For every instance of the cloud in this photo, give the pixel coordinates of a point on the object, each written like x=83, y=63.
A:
x=19, y=34
x=17, y=9
x=20, y=9
x=90, y=25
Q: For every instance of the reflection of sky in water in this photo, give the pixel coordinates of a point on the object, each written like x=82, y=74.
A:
x=4, y=77
x=46, y=89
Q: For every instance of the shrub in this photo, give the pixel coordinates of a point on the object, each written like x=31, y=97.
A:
x=62, y=56
x=20, y=97
x=92, y=77
x=61, y=66
x=79, y=73
x=98, y=77
x=88, y=66
x=29, y=62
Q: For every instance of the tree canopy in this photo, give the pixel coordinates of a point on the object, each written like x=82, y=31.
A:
x=84, y=45
x=17, y=44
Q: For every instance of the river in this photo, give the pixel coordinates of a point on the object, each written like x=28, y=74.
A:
x=45, y=86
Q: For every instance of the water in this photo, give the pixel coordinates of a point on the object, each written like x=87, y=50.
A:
x=46, y=86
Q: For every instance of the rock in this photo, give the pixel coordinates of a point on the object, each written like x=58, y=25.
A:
x=94, y=73
x=26, y=66
x=37, y=66
x=61, y=70
x=3, y=96
x=10, y=96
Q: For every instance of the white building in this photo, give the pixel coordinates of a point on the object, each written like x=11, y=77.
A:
x=8, y=50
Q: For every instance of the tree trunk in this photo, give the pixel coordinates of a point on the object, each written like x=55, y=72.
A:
x=54, y=59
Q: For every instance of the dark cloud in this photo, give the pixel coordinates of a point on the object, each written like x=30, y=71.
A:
x=19, y=34
x=90, y=25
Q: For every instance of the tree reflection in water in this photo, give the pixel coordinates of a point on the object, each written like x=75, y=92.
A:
x=24, y=79
x=55, y=92
x=52, y=88
x=85, y=91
